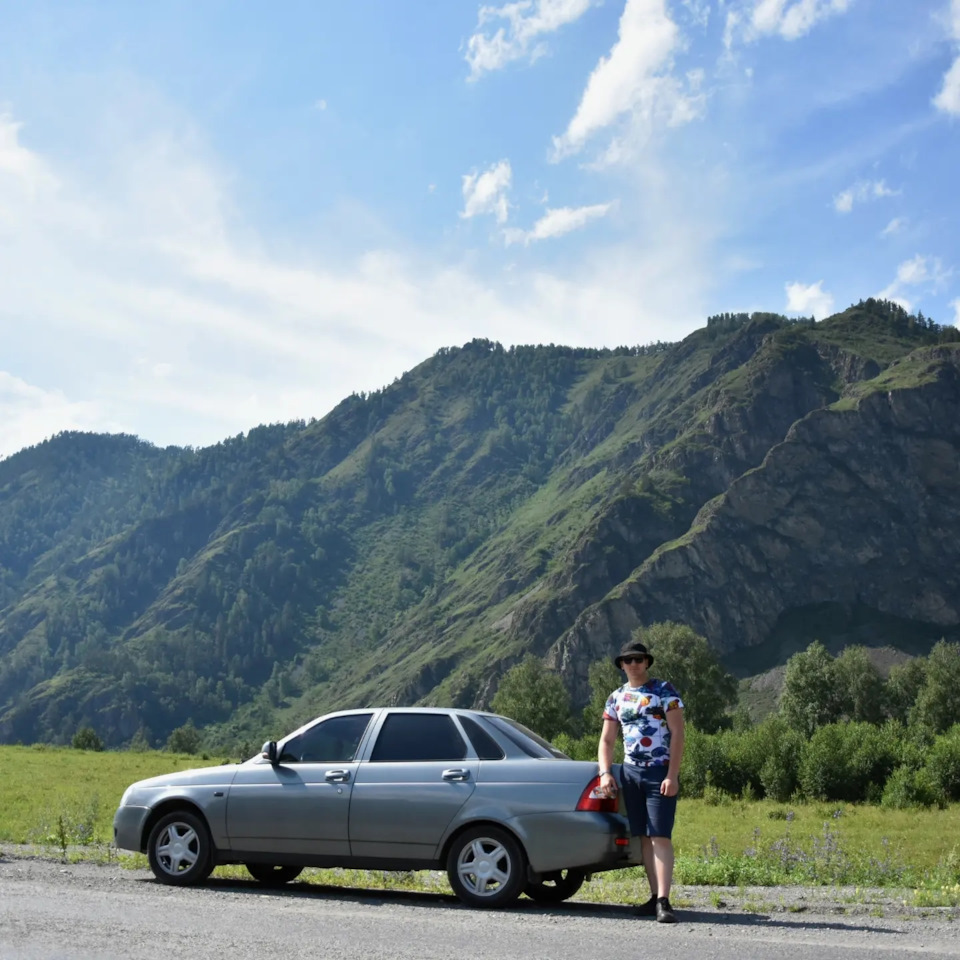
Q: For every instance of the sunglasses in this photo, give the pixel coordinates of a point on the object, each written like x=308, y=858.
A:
x=633, y=659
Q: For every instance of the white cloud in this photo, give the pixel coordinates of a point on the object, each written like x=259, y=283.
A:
x=487, y=192
x=634, y=79
x=141, y=300
x=788, y=19
x=925, y=272
x=698, y=12
x=557, y=222
x=320, y=105
x=893, y=227
x=20, y=163
x=948, y=99
x=526, y=20
x=809, y=299
x=31, y=414
x=862, y=192
x=843, y=202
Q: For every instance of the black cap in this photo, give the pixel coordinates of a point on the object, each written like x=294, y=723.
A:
x=635, y=649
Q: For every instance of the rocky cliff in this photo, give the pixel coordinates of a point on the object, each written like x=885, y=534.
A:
x=858, y=505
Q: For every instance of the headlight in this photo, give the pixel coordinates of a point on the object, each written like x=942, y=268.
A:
x=126, y=796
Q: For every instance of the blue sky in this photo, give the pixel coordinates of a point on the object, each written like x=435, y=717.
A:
x=216, y=215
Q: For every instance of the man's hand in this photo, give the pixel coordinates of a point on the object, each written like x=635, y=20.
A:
x=669, y=787
x=608, y=785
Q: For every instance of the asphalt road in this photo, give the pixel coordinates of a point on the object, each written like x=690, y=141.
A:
x=55, y=911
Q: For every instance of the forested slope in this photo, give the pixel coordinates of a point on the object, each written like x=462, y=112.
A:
x=416, y=541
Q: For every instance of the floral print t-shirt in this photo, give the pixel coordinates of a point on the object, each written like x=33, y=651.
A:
x=642, y=715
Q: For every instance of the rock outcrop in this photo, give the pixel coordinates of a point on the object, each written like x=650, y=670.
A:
x=858, y=505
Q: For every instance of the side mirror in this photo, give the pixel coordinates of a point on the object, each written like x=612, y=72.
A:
x=269, y=752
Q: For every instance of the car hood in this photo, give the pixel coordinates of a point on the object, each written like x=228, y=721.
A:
x=198, y=777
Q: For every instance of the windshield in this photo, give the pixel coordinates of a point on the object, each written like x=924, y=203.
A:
x=532, y=744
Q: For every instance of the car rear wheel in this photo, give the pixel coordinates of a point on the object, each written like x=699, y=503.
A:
x=273, y=874
x=486, y=867
x=180, y=850
x=556, y=886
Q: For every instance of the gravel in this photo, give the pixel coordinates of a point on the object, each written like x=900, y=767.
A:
x=51, y=910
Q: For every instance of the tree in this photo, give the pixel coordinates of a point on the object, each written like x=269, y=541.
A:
x=140, y=743
x=185, y=739
x=938, y=701
x=86, y=739
x=604, y=678
x=810, y=698
x=532, y=695
x=685, y=658
x=903, y=685
x=859, y=685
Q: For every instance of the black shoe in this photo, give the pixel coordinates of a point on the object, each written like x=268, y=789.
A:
x=665, y=912
x=648, y=909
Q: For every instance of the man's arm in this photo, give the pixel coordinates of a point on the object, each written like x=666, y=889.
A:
x=671, y=782
x=608, y=739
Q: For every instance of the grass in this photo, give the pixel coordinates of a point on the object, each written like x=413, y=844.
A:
x=49, y=791
x=64, y=800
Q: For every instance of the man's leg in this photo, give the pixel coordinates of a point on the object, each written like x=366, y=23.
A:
x=635, y=797
x=649, y=864
x=662, y=865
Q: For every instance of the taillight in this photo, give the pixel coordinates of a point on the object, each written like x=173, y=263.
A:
x=593, y=798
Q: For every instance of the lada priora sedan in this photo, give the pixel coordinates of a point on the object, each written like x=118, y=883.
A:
x=475, y=794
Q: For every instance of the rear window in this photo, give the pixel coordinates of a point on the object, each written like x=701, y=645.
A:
x=532, y=744
x=411, y=737
x=487, y=748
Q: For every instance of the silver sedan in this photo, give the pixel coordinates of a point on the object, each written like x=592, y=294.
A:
x=479, y=795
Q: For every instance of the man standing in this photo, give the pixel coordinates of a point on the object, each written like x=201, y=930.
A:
x=650, y=714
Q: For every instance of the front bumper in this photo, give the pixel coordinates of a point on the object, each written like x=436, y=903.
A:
x=587, y=840
x=128, y=824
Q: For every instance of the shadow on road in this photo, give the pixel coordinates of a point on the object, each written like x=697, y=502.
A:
x=447, y=901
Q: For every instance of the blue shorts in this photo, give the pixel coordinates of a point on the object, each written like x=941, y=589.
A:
x=650, y=813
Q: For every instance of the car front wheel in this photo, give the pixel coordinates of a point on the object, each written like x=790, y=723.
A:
x=556, y=887
x=273, y=874
x=486, y=867
x=180, y=850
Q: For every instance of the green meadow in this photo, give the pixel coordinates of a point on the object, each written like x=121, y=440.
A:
x=61, y=798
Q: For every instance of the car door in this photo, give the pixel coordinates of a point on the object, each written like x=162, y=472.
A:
x=301, y=804
x=417, y=778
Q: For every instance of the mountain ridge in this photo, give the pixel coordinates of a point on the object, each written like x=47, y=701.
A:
x=415, y=542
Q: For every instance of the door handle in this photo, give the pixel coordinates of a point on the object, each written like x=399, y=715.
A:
x=456, y=774
x=337, y=776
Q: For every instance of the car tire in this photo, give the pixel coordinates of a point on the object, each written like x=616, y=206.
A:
x=555, y=887
x=486, y=867
x=273, y=874
x=180, y=850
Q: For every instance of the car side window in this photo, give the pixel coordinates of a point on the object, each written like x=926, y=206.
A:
x=331, y=741
x=487, y=748
x=409, y=737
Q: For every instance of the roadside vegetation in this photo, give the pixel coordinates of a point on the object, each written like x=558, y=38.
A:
x=62, y=801
x=854, y=780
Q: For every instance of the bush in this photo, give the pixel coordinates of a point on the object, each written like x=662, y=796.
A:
x=583, y=748
x=943, y=763
x=765, y=759
x=780, y=773
x=185, y=739
x=848, y=762
x=86, y=739
x=534, y=696
x=704, y=763
x=907, y=787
